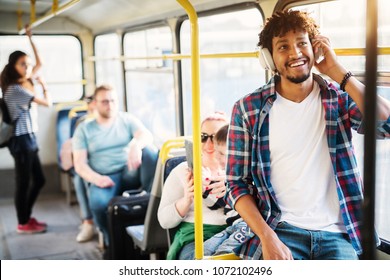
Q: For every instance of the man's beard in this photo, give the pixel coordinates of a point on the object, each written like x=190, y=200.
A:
x=106, y=115
x=298, y=80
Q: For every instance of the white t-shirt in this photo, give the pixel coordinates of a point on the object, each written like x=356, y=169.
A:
x=301, y=169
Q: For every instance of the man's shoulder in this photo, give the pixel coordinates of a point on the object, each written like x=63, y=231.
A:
x=125, y=117
x=262, y=93
x=255, y=99
x=85, y=125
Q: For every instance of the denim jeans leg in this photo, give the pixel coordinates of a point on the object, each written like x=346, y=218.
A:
x=238, y=235
x=98, y=202
x=148, y=167
x=314, y=244
x=212, y=244
x=82, y=197
x=187, y=252
x=335, y=246
x=296, y=239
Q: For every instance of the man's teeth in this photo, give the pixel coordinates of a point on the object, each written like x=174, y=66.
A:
x=297, y=64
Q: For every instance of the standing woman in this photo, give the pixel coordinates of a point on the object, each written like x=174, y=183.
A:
x=17, y=85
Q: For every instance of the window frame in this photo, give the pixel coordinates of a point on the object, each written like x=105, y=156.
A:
x=81, y=57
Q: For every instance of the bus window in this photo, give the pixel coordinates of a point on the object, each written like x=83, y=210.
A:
x=61, y=56
x=338, y=28
x=150, y=83
x=222, y=81
x=346, y=28
x=109, y=71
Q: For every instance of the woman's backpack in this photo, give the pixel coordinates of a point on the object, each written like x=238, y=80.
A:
x=7, y=127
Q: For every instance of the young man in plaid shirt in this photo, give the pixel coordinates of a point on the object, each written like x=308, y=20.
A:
x=291, y=171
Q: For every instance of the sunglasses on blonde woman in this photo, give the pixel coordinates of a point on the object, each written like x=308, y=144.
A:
x=205, y=136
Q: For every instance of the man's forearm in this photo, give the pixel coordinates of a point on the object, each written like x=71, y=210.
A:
x=86, y=172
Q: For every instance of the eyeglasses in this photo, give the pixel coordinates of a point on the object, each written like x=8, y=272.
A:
x=106, y=101
x=205, y=136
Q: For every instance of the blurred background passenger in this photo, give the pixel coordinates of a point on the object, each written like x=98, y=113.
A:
x=108, y=152
x=87, y=228
x=18, y=83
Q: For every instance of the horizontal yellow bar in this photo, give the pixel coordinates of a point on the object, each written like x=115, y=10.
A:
x=340, y=52
x=63, y=105
x=82, y=82
x=230, y=256
x=360, y=51
x=73, y=112
x=177, y=56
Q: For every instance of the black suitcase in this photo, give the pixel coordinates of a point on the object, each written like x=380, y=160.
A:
x=124, y=211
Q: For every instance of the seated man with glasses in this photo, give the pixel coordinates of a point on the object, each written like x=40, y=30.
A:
x=176, y=207
x=108, y=152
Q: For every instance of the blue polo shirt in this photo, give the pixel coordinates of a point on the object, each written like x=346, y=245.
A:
x=106, y=146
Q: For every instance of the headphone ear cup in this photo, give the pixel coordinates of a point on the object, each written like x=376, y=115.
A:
x=261, y=59
x=266, y=60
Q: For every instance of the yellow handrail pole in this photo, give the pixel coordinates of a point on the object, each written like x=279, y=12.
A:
x=54, y=6
x=35, y=22
x=195, y=62
x=255, y=54
x=165, y=149
x=178, y=56
x=20, y=21
x=360, y=51
x=32, y=12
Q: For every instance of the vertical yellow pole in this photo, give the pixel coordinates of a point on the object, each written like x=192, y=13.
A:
x=54, y=6
x=32, y=12
x=20, y=21
x=195, y=61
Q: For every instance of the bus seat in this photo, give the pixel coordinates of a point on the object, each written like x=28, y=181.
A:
x=63, y=134
x=62, y=130
x=170, y=164
x=74, y=119
x=150, y=237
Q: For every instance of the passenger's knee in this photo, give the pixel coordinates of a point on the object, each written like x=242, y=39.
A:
x=98, y=205
x=149, y=156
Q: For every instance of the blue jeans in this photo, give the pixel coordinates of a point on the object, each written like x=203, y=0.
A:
x=228, y=240
x=187, y=252
x=123, y=180
x=314, y=244
x=223, y=242
x=80, y=187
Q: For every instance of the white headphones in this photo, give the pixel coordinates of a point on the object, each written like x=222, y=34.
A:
x=266, y=60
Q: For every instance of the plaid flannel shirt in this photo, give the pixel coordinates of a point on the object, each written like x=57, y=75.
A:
x=248, y=161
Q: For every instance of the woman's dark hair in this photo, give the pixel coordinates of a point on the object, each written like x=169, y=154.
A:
x=9, y=75
x=282, y=22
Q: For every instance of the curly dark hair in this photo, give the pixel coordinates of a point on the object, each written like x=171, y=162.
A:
x=282, y=22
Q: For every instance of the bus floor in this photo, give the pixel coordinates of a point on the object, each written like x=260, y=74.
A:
x=57, y=243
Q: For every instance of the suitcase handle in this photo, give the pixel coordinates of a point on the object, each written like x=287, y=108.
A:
x=135, y=209
x=134, y=193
